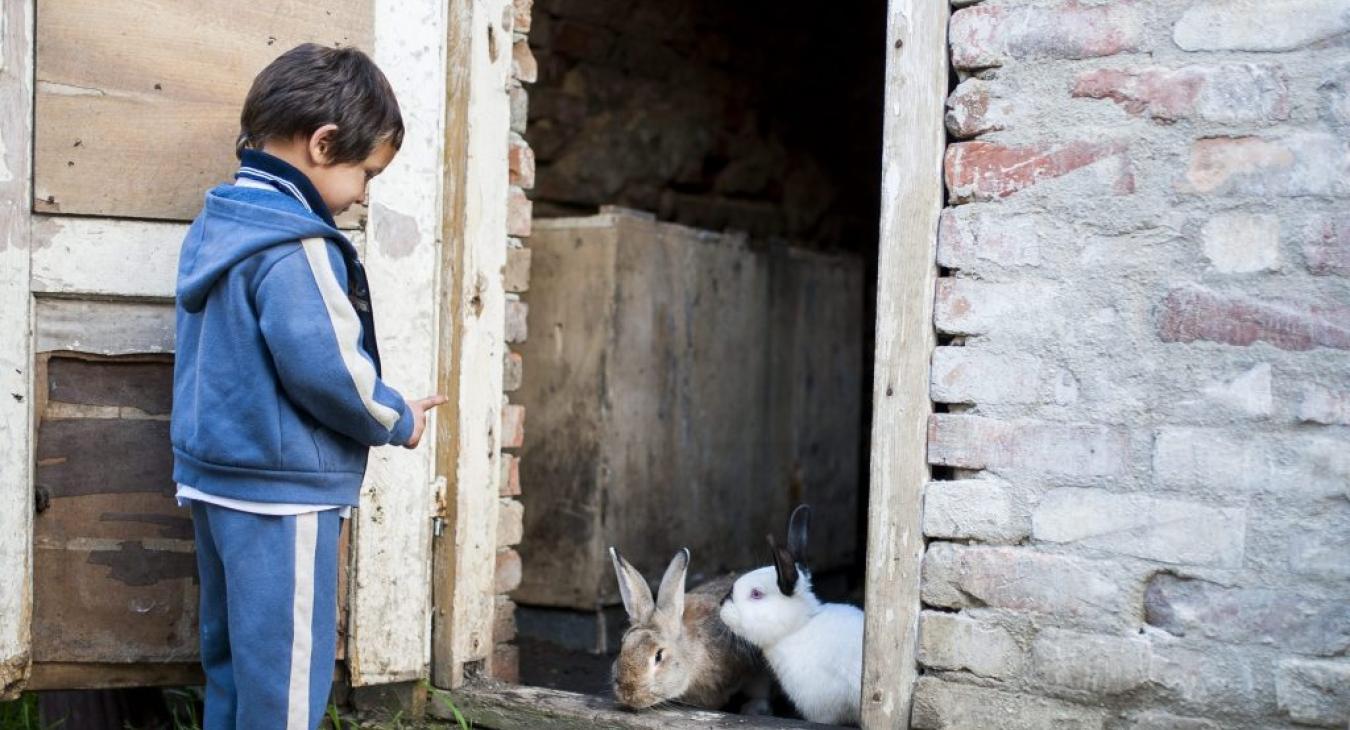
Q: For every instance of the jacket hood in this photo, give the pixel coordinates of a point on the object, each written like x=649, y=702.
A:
x=236, y=223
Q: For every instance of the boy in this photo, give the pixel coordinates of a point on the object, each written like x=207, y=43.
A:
x=277, y=389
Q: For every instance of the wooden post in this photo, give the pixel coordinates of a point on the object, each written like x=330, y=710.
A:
x=16, y=307
x=471, y=333
x=913, y=140
x=391, y=560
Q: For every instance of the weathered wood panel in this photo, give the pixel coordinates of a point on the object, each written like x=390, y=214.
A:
x=504, y=707
x=911, y=201
x=389, y=620
x=471, y=332
x=104, y=327
x=148, y=94
x=69, y=675
x=103, y=257
x=114, y=566
x=16, y=401
x=687, y=391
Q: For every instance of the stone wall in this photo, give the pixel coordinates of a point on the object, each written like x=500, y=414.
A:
x=1141, y=516
x=758, y=116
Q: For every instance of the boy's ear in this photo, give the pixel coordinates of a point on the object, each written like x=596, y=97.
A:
x=319, y=144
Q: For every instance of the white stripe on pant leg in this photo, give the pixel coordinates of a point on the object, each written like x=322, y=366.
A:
x=302, y=620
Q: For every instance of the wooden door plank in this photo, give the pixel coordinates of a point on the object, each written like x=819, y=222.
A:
x=471, y=332
x=16, y=389
x=155, y=105
x=916, y=90
x=387, y=640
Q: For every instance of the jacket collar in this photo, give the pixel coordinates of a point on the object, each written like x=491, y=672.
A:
x=259, y=166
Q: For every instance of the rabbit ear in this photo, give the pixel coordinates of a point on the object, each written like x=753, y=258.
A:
x=785, y=566
x=637, y=596
x=670, y=597
x=798, y=525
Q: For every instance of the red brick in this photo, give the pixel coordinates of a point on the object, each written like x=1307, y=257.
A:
x=513, y=371
x=523, y=65
x=1191, y=314
x=1296, y=165
x=522, y=10
x=506, y=663
x=519, y=212
x=513, y=426
x=510, y=478
x=517, y=319
x=1327, y=250
x=503, y=620
x=974, y=109
x=989, y=171
x=1240, y=92
x=520, y=162
x=973, y=307
x=508, y=572
x=986, y=35
x=1066, y=450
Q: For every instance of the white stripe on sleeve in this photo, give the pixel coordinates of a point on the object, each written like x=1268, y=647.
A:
x=348, y=330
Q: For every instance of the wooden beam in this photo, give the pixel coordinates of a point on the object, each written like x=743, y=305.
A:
x=913, y=141
x=507, y=707
x=391, y=589
x=73, y=675
x=472, y=332
x=98, y=327
x=16, y=356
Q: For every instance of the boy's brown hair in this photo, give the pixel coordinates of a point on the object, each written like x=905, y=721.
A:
x=310, y=86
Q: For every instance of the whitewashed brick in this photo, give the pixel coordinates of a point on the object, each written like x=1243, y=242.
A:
x=1146, y=527
x=970, y=375
x=1088, y=662
x=1190, y=607
x=1196, y=459
x=1260, y=25
x=974, y=509
x=1021, y=579
x=952, y=642
x=1314, y=692
x=940, y=705
x=1155, y=720
x=970, y=235
x=1239, y=243
x=1324, y=405
x=1068, y=450
x=1248, y=393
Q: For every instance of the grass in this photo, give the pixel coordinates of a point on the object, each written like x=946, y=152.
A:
x=22, y=714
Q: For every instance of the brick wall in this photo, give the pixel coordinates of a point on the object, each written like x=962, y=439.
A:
x=505, y=664
x=758, y=115
x=1141, y=517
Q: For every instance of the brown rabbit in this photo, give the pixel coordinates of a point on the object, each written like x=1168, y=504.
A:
x=677, y=648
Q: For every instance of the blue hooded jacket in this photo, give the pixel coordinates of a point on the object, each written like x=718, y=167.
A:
x=277, y=393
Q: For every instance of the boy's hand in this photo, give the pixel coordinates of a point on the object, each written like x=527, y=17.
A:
x=419, y=410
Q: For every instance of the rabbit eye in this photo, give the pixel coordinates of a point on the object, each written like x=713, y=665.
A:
x=756, y=594
x=660, y=654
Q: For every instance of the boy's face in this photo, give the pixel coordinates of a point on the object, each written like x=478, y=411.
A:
x=344, y=183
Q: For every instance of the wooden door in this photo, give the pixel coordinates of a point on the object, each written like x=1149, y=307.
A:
x=114, y=120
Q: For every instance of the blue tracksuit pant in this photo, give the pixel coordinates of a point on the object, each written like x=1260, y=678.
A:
x=268, y=616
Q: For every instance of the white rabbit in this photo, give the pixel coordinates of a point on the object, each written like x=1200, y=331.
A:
x=815, y=649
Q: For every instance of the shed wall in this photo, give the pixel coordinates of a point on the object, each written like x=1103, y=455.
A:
x=1143, y=513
